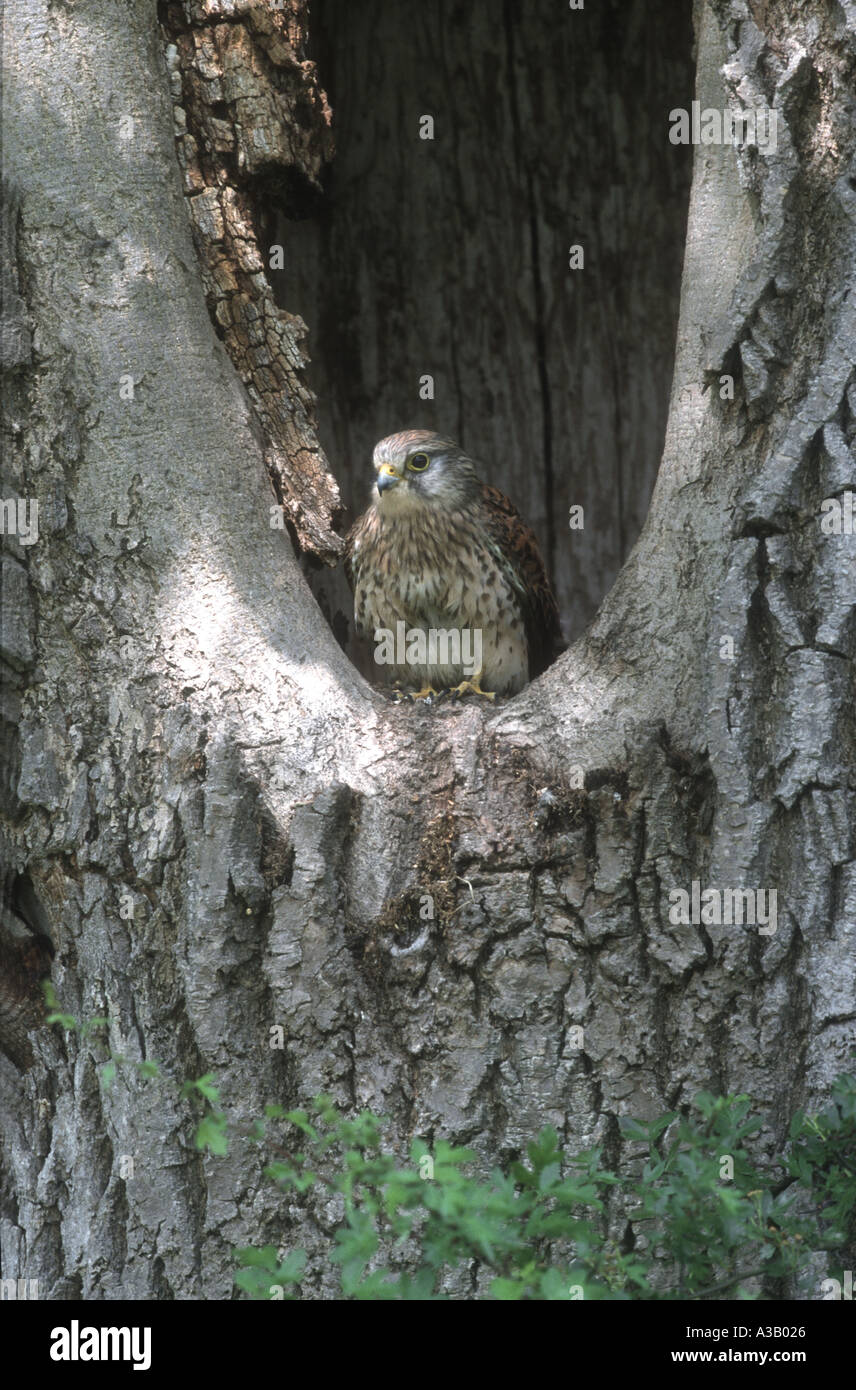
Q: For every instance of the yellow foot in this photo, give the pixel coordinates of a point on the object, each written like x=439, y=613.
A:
x=473, y=687
x=425, y=693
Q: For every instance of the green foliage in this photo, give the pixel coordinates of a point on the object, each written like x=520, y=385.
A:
x=211, y=1132
x=700, y=1219
x=67, y=1021
x=212, y=1128
x=263, y=1275
x=714, y=1219
x=823, y=1160
x=703, y=1220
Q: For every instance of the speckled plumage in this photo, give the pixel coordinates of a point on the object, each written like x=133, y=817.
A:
x=439, y=549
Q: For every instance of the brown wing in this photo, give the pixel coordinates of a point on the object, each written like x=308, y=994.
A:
x=516, y=544
x=356, y=571
x=362, y=529
x=348, y=556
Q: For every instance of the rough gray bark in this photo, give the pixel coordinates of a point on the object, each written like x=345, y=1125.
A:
x=193, y=742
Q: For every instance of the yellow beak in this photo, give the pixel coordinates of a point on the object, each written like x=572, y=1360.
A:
x=387, y=477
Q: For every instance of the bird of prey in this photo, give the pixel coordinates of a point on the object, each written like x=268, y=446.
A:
x=448, y=579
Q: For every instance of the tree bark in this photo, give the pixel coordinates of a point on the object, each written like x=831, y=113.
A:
x=223, y=829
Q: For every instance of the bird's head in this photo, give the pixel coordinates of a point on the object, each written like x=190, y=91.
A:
x=421, y=469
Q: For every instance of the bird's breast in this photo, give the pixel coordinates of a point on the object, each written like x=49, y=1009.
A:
x=430, y=569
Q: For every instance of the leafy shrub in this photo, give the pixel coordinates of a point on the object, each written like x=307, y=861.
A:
x=703, y=1221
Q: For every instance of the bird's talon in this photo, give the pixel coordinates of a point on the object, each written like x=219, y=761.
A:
x=425, y=693
x=472, y=687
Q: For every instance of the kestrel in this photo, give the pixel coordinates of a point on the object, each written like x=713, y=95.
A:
x=448, y=579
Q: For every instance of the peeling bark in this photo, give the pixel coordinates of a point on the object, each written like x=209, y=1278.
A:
x=250, y=117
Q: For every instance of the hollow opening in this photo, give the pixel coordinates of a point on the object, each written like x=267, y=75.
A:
x=478, y=142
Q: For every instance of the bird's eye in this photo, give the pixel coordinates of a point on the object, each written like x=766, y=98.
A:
x=418, y=462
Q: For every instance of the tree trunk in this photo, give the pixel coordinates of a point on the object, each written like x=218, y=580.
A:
x=225, y=831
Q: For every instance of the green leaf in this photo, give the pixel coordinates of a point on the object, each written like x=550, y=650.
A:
x=211, y=1134
x=67, y=1021
x=206, y=1086
x=92, y=1025
x=300, y=1120
x=262, y=1276
x=548, y=1177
